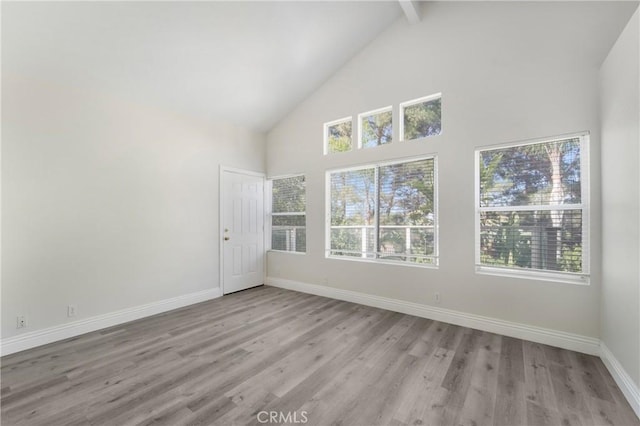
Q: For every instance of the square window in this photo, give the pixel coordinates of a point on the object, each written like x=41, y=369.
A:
x=337, y=136
x=421, y=118
x=376, y=127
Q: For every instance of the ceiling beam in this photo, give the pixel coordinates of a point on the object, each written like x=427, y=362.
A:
x=411, y=9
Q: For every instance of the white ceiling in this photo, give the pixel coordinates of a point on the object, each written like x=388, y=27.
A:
x=248, y=63
x=245, y=62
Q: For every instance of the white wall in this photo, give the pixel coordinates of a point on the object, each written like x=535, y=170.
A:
x=106, y=204
x=620, y=110
x=508, y=72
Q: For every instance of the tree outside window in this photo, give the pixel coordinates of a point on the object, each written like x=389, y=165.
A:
x=531, y=207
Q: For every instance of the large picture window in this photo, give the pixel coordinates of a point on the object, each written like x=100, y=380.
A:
x=384, y=212
x=532, y=209
x=288, y=214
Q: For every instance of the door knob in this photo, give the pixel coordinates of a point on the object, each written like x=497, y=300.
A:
x=226, y=238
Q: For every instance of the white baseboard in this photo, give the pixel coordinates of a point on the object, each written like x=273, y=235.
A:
x=60, y=332
x=623, y=380
x=574, y=342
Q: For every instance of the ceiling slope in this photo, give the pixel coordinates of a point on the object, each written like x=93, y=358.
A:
x=247, y=63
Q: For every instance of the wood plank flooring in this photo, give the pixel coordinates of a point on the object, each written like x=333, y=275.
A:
x=237, y=359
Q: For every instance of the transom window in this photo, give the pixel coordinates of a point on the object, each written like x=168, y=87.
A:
x=532, y=209
x=376, y=127
x=288, y=214
x=384, y=212
x=337, y=136
x=421, y=117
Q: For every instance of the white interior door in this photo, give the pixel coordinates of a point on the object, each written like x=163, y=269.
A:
x=242, y=232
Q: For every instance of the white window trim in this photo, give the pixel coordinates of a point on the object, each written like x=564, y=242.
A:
x=582, y=278
x=412, y=102
x=368, y=113
x=436, y=228
x=325, y=137
x=269, y=203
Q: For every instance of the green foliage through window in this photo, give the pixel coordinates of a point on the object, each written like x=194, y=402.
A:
x=385, y=212
x=531, y=210
x=377, y=128
x=422, y=119
x=339, y=136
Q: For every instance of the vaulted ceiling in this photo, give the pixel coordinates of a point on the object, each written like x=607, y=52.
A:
x=243, y=62
x=248, y=63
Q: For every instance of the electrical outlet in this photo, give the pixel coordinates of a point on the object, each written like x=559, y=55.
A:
x=71, y=311
x=436, y=296
x=21, y=321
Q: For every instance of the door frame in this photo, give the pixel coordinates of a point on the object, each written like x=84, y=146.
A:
x=245, y=172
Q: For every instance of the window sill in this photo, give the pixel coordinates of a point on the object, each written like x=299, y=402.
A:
x=303, y=253
x=383, y=262
x=557, y=277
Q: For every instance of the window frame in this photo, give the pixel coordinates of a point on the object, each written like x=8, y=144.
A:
x=269, y=233
x=581, y=278
x=412, y=102
x=377, y=165
x=326, y=134
x=376, y=111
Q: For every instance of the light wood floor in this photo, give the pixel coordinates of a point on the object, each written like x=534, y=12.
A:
x=331, y=362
